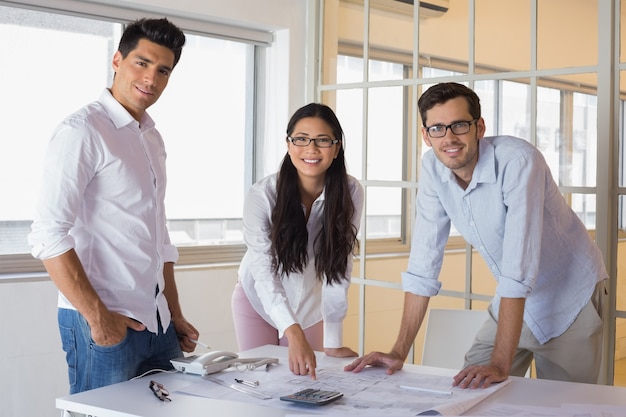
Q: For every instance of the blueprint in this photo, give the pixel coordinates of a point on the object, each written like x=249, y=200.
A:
x=370, y=392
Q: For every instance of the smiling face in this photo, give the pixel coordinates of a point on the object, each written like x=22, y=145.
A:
x=457, y=152
x=310, y=161
x=141, y=77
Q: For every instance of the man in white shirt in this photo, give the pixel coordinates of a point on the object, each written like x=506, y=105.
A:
x=100, y=227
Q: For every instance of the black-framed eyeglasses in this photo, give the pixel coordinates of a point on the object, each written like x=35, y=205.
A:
x=458, y=128
x=159, y=391
x=319, y=142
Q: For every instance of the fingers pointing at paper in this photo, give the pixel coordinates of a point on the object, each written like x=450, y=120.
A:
x=302, y=359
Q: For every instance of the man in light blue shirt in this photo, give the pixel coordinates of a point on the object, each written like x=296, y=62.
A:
x=500, y=195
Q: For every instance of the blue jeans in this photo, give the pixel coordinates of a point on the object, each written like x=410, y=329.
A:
x=91, y=366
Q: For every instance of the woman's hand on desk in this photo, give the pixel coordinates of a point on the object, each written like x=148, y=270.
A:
x=302, y=359
x=342, y=352
x=391, y=360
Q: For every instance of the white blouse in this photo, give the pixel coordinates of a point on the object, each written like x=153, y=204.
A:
x=298, y=297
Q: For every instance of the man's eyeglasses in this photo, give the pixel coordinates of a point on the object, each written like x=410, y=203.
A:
x=458, y=128
x=319, y=142
x=159, y=391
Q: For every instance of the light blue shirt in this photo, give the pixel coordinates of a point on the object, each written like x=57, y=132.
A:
x=513, y=213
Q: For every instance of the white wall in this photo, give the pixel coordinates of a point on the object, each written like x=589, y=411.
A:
x=205, y=299
x=31, y=359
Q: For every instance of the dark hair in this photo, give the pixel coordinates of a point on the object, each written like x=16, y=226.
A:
x=337, y=238
x=160, y=31
x=442, y=92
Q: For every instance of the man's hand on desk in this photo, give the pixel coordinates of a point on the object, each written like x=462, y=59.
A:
x=392, y=361
x=342, y=352
x=479, y=376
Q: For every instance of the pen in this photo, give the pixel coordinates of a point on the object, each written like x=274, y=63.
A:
x=197, y=342
x=253, y=384
x=428, y=390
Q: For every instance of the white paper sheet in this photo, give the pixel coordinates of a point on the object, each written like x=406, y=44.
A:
x=369, y=393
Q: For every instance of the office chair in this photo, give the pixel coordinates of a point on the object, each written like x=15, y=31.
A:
x=449, y=334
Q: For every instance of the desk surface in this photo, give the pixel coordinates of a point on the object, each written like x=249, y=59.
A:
x=134, y=399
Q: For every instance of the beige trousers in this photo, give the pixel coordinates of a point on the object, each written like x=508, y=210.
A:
x=573, y=356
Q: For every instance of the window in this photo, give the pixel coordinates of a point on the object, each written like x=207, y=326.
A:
x=203, y=117
x=385, y=141
x=561, y=103
x=60, y=63
x=506, y=110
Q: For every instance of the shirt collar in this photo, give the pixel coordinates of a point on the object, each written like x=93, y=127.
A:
x=119, y=115
x=485, y=170
x=322, y=196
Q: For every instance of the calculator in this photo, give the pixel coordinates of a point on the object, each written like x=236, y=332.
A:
x=313, y=396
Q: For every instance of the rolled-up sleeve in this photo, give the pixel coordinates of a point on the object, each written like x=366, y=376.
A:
x=50, y=239
x=170, y=253
x=335, y=307
x=430, y=235
x=62, y=189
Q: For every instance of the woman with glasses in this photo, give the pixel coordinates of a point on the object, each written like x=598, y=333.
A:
x=300, y=228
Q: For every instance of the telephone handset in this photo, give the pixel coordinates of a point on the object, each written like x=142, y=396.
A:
x=206, y=363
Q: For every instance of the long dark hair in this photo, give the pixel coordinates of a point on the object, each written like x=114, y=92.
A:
x=337, y=237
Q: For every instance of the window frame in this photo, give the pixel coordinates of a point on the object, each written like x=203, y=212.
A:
x=23, y=265
x=605, y=89
x=393, y=246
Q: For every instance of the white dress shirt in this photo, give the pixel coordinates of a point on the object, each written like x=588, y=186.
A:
x=103, y=195
x=299, y=297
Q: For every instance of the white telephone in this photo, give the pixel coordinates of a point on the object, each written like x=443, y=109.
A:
x=206, y=363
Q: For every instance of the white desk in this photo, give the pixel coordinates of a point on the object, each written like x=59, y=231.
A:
x=134, y=399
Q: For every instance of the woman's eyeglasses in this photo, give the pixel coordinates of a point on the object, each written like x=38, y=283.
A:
x=319, y=142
